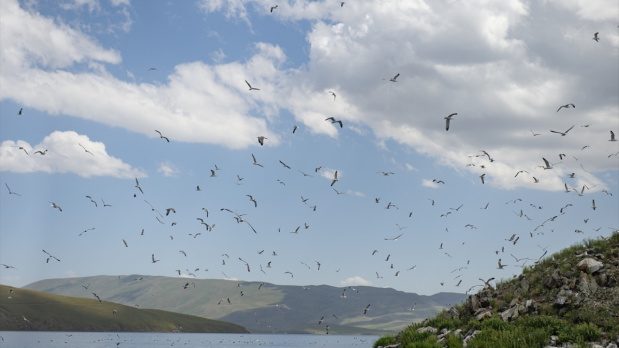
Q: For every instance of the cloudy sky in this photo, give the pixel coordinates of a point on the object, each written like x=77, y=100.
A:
x=95, y=79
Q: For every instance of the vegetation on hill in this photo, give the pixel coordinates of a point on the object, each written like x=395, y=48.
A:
x=23, y=310
x=263, y=307
x=571, y=297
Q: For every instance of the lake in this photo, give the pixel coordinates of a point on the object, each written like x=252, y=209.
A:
x=46, y=339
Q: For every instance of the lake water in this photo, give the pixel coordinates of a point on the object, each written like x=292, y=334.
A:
x=44, y=339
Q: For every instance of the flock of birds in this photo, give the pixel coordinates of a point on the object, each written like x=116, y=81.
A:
x=160, y=214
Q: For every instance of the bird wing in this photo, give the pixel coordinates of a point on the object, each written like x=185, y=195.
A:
x=246, y=80
x=447, y=123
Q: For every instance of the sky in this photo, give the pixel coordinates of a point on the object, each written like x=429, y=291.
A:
x=86, y=84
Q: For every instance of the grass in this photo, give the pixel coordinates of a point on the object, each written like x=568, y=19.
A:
x=581, y=322
x=28, y=310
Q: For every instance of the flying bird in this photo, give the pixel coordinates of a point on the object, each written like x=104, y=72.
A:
x=168, y=210
x=612, y=136
x=334, y=179
x=11, y=192
x=22, y=148
x=567, y=106
x=162, y=137
x=261, y=140
x=272, y=8
x=85, y=149
x=294, y=129
x=253, y=200
x=595, y=37
x=365, y=310
x=97, y=296
x=54, y=205
x=153, y=258
x=448, y=119
x=137, y=184
x=250, y=87
x=42, y=153
x=482, y=178
x=125, y=242
x=284, y=164
x=333, y=94
x=333, y=120
x=21, y=111
x=563, y=133
x=500, y=265
x=393, y=79
x=256, y=162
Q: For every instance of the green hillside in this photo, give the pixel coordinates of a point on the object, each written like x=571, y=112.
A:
x=568, y=299
x=22, y=309
x=263, y=307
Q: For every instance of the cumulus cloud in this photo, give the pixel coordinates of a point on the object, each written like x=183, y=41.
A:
x=168, y=169
x=355, y=281
x=63, y=154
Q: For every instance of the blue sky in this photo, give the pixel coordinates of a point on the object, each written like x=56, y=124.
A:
x=81, y=71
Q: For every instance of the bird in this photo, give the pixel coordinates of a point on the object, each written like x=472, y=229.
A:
x=85, y=149
x=137, y=184
x=393, y=79
x=284, y=164
x=334, y=178
x=153, y=258
x=22, y=148
x=162, y=137
x=273, y=8
x=482, y=178
x=547, y=164
x=596, y=37
x=593, y=204
x=294, y=129
x=50, y=256
x=21, y=111
x=365, y=310
x=500, y=265
x=261, y=140
x=253, y=200
x=563, y=133
x=7, y=266
x=54, y=205
x=333, y=94
x=333, y=120
x=342, y=3
x=395, y=238
x=11, y=192
x=448, y=119
x=152, y=69
x=612, y=136
x=125, y=242
x=42, y=153
x=168, y=210
x=534, y=134
x=97, y=296
x=250, y=87
x=256, y=162
x=567, y=106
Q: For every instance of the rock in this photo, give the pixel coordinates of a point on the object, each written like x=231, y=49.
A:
x=587, y=284
x=453, y=313
x=554, y=280
x=590, y=265
x=484, y=314
x=508, y=314
x=429, y=329
x=473, y=303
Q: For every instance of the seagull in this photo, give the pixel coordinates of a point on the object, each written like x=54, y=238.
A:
x=11, y=192
x=548, y=165
x=334, y=179
x=447, y=119
x=7, y=266
x=86, y=230
x=395, y=238
x=291, y=275
x=333, y=94
x=125, y=242
x=54, y=205
x=284, y=164
x=21, y=111
x=153, y=257
x=595, y=37
x=85, y=149
x=250, y=87
x=256, y=162
x=50, y=256
x=97, y=296
x=567, y=106
x=137, y=184
x=261, y=140
x=168, y=210
x=612, y=136
x=294, y=129
x=393, y=79
x=105, y=204
x=272, y=8
x=593, y=206
x=162, y=137
x=152, y=69
x=520, y=171
x=333, y=120
x=501, y=265
x=41, y=152
x=563, y=133
x=482, y=178
x=22, y=148
x=534, y=134
x=253, y=200
x=365, y=310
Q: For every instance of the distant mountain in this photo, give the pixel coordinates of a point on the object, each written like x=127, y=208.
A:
x=23, y=310
x=263, y=307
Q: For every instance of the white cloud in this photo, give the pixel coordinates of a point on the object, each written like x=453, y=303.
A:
x=63, y=154
x=354, y=281
x=429, y=183
x=168, y=169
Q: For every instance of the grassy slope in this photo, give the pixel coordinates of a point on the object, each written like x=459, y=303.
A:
x=45, y=311
x=578, y=322
x=258, y=310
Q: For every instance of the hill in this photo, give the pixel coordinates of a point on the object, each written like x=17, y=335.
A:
x=23, y=310
x=263, y=307
x=568, y=299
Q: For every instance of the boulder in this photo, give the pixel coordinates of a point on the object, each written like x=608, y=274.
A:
x=589, y=265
